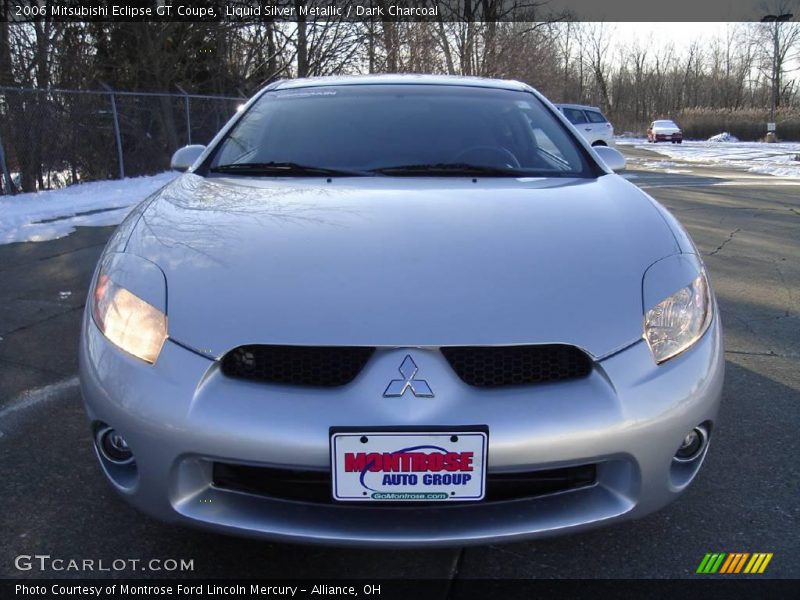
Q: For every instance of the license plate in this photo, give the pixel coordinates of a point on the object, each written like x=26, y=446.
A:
x=375, y=466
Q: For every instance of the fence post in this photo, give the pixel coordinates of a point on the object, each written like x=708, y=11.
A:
x=188, y=114
x=120, y=158
x=9, y=185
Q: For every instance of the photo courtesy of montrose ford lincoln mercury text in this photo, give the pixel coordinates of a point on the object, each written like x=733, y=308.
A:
x=400, y=310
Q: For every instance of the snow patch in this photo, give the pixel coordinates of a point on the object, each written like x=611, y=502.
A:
x=791, y=171
x=723, y=137
x=50, y=215
x=628, y=140
x=756, y=157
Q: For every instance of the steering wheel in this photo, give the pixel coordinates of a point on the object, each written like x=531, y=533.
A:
x=495, y=156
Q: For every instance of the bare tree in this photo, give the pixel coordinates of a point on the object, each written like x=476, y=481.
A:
x=777, y=43
x=598, y=41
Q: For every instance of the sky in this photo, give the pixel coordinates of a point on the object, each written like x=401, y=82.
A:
x=680, y=34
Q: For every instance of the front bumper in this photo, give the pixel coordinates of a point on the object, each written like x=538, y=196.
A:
x=182, y=415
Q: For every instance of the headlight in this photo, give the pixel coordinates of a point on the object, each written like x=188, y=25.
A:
x=676, y=323
x=128, y=321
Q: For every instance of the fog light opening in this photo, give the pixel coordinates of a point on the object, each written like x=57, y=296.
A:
x=692, y=445
x=113, y=447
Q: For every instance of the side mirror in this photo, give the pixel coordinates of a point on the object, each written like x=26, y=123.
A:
x=613, y=158
x=185, y=157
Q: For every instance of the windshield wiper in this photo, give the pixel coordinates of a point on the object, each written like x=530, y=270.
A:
x=286, y=168
x=451, y=169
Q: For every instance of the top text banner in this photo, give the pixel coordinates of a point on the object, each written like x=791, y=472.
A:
x=254, y=11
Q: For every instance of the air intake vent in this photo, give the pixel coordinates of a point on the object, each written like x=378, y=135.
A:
x=496, y=366
x=315, y=486
x=316, y=366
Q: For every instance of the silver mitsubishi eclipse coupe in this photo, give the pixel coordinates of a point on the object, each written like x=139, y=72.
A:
x=400, y=310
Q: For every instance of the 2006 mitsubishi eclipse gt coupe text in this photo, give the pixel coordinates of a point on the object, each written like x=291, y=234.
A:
x=400, y=310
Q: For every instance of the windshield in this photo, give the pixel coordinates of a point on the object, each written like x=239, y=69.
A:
x=665, y=124
x=396, y=130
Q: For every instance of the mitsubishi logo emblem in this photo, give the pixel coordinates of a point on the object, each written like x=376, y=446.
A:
x=419, y=387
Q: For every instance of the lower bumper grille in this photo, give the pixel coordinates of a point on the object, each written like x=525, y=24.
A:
x=315, y=486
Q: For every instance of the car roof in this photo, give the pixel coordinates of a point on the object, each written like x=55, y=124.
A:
x=453, y=80
x=664, y=121
x=579, y=107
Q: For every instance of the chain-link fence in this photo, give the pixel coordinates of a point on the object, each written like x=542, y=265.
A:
x=51, y=138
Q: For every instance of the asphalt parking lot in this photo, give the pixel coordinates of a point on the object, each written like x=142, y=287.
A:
x=746, y=498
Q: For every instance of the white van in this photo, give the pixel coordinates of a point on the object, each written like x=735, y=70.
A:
x=590, y=122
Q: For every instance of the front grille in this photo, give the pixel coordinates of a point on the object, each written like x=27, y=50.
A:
x=479, y=366
x=496, y=366
x=317, y=366
x=315, y=486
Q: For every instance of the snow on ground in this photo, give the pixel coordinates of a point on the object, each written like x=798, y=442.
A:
x=42, y=216
x=629, y=141
x=662, y=166
x=755, y=157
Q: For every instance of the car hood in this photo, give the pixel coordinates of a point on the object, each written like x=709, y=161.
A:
x=389, y=261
